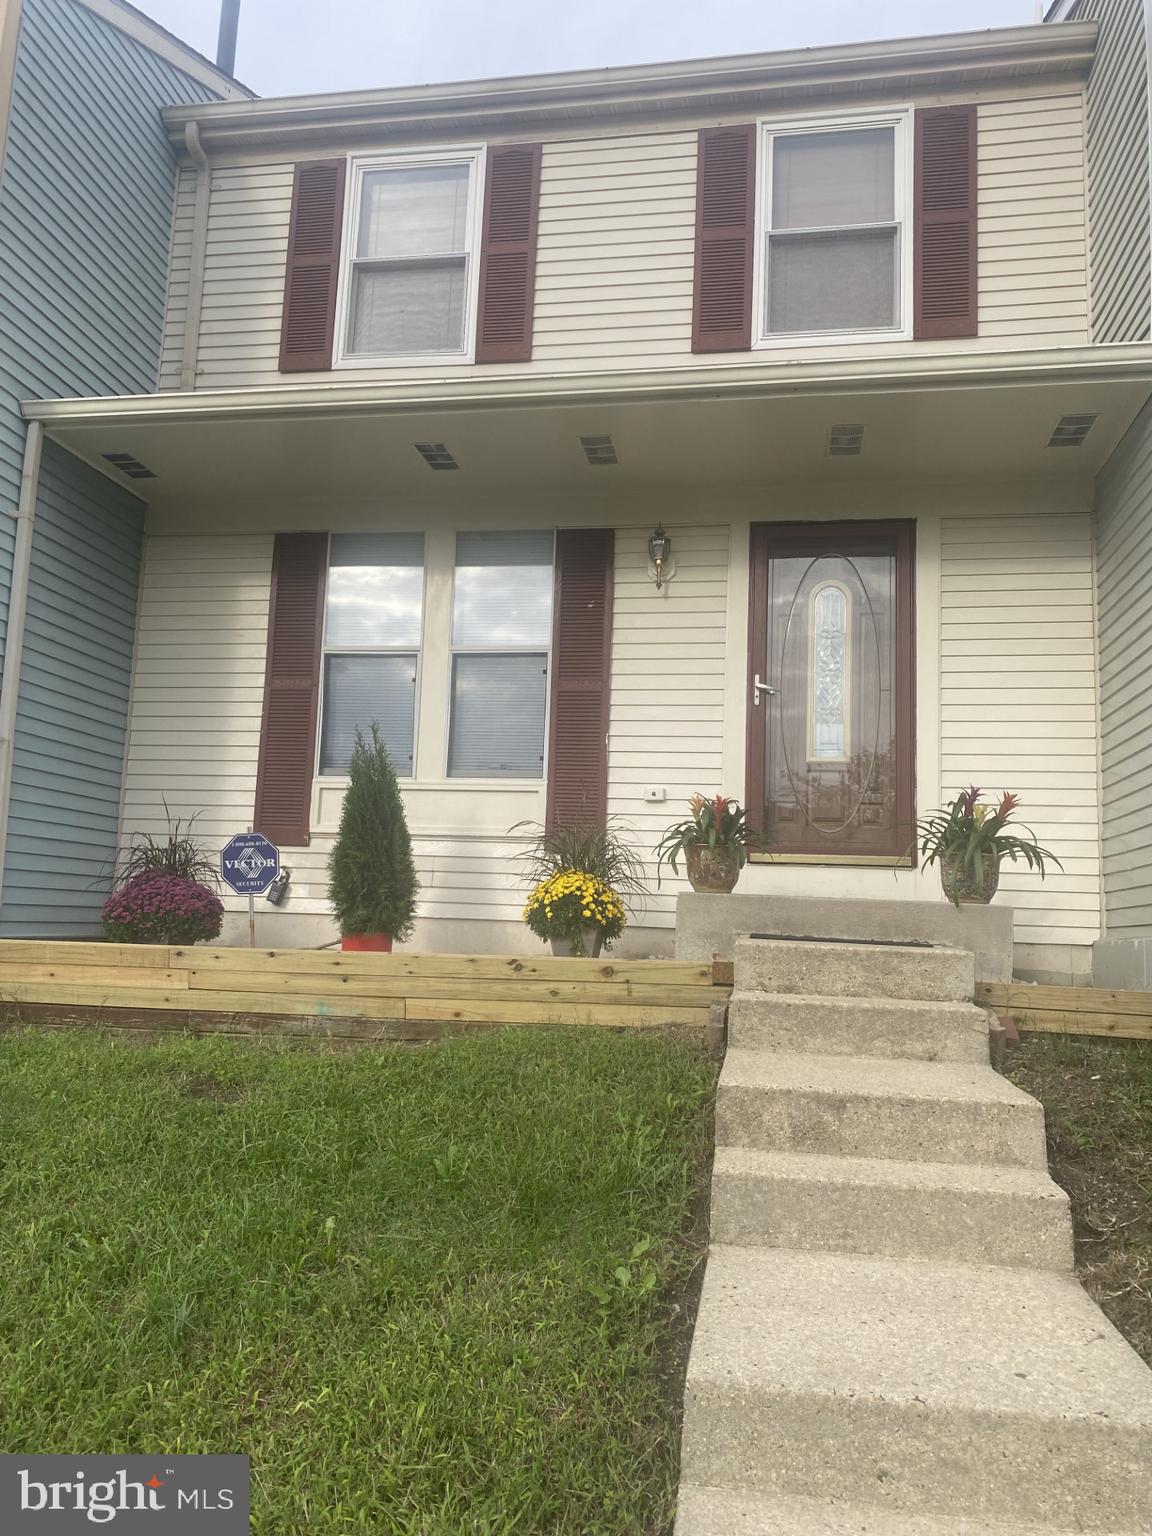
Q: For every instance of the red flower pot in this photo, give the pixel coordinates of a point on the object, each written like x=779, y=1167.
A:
x=378, y=943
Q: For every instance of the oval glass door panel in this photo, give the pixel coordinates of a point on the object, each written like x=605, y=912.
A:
x=830, y=726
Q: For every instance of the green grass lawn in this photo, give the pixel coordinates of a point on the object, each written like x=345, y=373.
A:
x=429, y=1292
x=1097, y=1097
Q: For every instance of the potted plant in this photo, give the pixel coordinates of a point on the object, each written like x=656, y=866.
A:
x=583, y=879
x=371, y=877
x=968, y=840
x=714, y=840
x=164, y=891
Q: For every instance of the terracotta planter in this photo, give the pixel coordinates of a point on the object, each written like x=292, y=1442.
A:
x=960, y=885
x=376, y=943
x=712, y=869
x=592, y=943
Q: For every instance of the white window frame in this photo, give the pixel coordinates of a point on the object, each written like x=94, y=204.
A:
x=455, y=650
x=769, y=129
x=327, y=650
x=472, y=155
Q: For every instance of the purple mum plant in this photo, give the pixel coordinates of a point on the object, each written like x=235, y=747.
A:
x=159, y=908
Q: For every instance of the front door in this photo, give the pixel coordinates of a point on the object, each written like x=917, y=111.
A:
x=830, y=710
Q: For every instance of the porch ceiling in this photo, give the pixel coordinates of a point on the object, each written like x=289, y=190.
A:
x=355, y=443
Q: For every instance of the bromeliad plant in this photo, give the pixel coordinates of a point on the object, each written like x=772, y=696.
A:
x=714, y=841
x=968, y=840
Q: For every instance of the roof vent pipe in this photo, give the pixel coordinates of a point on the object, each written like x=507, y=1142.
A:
x=226, y=38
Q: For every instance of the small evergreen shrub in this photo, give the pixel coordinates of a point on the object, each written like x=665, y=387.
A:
x=158, y=908
x=372, y=879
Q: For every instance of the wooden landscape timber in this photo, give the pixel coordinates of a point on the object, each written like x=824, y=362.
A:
x=1070, y=1010
x=342, y=996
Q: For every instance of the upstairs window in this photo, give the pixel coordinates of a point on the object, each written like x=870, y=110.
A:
x=410, y=268
x=833, y=254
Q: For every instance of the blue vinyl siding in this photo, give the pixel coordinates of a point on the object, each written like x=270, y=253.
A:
x=72, y=718
x=86, y=201
x=86, y=197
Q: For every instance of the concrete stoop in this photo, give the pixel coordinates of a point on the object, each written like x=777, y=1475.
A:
x=890, y=1336
x=724, y=1512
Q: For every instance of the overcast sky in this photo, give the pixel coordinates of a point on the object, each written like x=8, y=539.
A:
x=292, y=46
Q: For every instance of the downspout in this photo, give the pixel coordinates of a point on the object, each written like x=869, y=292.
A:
x=196, y=256
x=17, y=612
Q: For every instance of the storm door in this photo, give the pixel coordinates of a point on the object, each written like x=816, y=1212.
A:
x=830, y=769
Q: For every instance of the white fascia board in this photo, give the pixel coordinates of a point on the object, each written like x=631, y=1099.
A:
x=1117, y=363
x=842, y=68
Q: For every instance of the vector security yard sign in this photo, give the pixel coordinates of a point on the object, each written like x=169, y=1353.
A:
x=249, y=863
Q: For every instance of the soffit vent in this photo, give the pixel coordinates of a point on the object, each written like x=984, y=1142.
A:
x=128, y=464
x=845, y=439
x=1070, y=431
x=599, y=450
x=436, y=455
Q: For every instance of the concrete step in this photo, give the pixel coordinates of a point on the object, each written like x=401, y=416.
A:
x=858, y=1026
x=946, y=1211
x=931, y=973
x=951, y=1390
x=723, y=1512
x=860, y=1106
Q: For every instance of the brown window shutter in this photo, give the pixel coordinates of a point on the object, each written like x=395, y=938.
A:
x=291, y=688
x=944, y=223
x=725, y=237
x=508, y=254
x=581, y=664
x=313, y=266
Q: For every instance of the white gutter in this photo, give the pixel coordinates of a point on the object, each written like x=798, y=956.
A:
x=1121, y=362
x=1009, y=53
x=17, y=613
x=196, y=256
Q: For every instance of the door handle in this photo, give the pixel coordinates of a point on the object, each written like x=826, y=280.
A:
x=758, y=688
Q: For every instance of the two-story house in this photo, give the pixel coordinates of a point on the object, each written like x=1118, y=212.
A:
x=609, y=436
x=87, y=191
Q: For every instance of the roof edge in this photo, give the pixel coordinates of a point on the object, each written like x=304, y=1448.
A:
x=142, y=29
x=1114, y=362
x=1039, y=48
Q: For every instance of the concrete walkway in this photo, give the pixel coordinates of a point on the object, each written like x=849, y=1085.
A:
x=891, y=1341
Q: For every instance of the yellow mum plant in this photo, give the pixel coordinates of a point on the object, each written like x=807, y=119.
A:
x=568, y=903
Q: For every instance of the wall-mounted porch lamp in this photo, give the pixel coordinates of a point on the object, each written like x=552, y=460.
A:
x=660, y=555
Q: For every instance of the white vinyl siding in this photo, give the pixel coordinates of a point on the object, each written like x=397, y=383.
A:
x=1031, y=241
x=1018, y=701
x=1017, y=704
x=669, y=667
x=615, y=252
x=198, y=684
x=1124, y=552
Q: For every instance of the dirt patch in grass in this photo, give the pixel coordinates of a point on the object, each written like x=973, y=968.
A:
x=1097, y=1097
